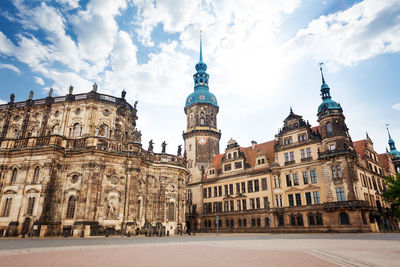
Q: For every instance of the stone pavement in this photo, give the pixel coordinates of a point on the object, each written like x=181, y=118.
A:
x=207, y=250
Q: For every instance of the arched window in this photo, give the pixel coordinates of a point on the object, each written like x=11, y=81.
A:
x=103, y=131
x=77, y=130
x=14, y=176
x=191, y=122
x=344, y=218
x=171, y=212
x=31, y=205
x=36, y=175
x=71, y=207
x=329, y=128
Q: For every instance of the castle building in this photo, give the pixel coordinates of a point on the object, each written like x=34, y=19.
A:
x=75, y=165
x=307, y=179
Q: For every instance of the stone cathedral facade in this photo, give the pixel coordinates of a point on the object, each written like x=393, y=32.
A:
x=74, y=165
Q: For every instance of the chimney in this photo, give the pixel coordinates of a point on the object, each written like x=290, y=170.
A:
x=253, y=144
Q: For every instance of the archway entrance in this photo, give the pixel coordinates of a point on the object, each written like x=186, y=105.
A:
x=26, y=226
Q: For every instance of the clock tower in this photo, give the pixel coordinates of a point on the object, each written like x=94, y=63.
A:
x=201, y=135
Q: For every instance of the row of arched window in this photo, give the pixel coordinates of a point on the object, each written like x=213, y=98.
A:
x=71, y=205
x=35, y=178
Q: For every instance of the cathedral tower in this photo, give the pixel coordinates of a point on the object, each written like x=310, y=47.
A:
x=201, y=135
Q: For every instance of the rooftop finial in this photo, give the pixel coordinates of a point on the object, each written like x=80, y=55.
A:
x=322, y=74
x=291, y=110
x=201, y=47
x=387, y=128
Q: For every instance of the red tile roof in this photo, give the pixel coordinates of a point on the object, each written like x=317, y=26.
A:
x=383, y=159
x=359, y=146
x=267, y=149
x=316, y=129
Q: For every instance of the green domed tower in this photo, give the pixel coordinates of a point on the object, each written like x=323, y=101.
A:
x=201, y=135
x=336, y=149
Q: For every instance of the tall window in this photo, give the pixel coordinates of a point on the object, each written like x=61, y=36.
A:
x=266, y=203
x=288, y=180
x=31, y=205
x=71, y=207
x=291, y=153
x=226, y=190
x=277, y=181
x=317, y=199
x=76, y=130
x=290, y=199
x=295, y=179
x=305, y=178
x=298, y=200
x=243, y=187
x=7, y=207
x=250, y=186
x=264, y=184
x=36, y=175
x=258, y=206
x=336, y=172
x=171, y=212
x=103, y=131
x=231, y=189
x=237, y=188
x=14, y=176
x=329, y=128
x=308, y=149
x=238, y=204
x=278, y=200
x=286, y=157
x=252, y=203
x=340, y=194
x=302, y=153
x=215, y=191
x=313, y=174
x=256, y=186
x=220, y=190
x=244, y=204
x=308, y=198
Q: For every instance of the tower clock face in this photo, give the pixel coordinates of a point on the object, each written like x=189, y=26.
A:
x=202, y=140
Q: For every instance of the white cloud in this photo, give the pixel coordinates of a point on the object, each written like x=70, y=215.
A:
x=70, y=4
x=363, y=31
x=396, y=106
x=39, y=80
x=2, y=101
x=10, y=67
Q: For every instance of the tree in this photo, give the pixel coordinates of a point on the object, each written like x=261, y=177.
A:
x=392, y=193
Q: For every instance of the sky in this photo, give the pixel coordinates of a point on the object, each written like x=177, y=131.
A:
x=262, y=57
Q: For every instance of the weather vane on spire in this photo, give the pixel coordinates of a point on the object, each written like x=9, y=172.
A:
x=322, y=74
x=387, y=128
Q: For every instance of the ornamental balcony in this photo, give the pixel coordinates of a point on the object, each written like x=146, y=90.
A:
x=335, y=152
x=290, y=162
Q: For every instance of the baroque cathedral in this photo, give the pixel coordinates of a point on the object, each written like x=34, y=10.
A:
x=74, y=165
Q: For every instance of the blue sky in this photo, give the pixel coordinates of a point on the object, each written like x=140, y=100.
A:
x=262, y=58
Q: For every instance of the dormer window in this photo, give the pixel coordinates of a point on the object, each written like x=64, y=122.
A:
x=202, y=97
x=288, y=141
x=238, y=165
x=229, y=156
x=227, y=167
x=260, y=161
x=302, y=137
x=234, y=154
x=332, y=147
